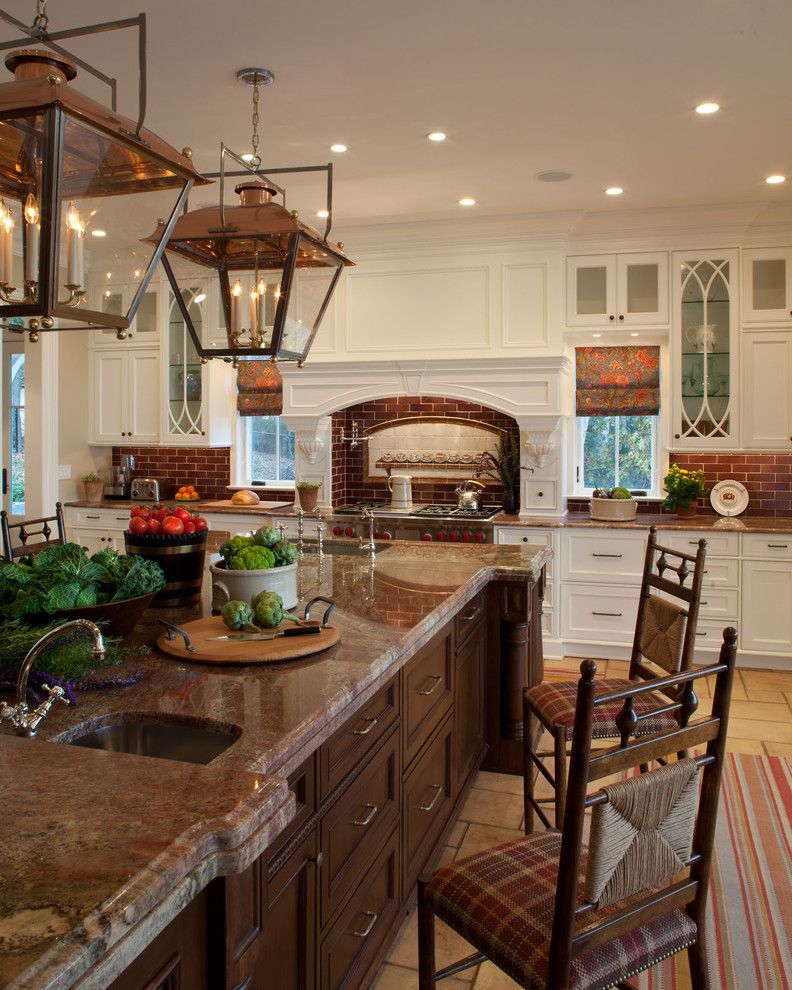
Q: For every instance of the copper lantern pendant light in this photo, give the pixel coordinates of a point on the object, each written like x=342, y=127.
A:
x=276, y=274
x=70, y=166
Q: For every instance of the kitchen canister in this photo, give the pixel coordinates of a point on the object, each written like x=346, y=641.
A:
x=242, y=586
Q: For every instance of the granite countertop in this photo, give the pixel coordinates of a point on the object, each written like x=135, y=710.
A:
x=643, y=520
x=101, y=850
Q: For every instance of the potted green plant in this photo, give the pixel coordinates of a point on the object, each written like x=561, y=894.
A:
x=613, y=504
x=503, y=466
x=308, y=494
x=684, y=489
x=93, y=487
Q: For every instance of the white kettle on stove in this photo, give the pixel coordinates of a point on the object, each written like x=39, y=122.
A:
x=400, y=487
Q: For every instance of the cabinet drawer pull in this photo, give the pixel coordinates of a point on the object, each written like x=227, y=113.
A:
x=438, y=789
x=245, y=983
x=364, y=732
x=122, y=519
x=703, y=603
x=614, y=555
x=470, y=616
x=701, y=634
x=372, y=917
x=616, y=615
x=425, y=692
x=93, y=517
x=369, y=818
x=777, y=546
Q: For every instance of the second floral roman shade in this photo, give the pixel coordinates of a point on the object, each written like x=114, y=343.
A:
x=259, y=389
x=617, y=381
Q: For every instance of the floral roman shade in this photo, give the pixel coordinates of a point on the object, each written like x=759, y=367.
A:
x=259, y=388
x=617, y=381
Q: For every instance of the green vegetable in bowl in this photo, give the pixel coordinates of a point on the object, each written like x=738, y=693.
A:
x=238, y=616
x=234, y=545
x=285, y=553
x=267, y=536
x=620, y=492
x=268, y=609
x=252, y=559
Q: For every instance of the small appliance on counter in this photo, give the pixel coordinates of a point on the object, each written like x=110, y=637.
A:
x=145, y=490
x=400, y=487
x=120, y=478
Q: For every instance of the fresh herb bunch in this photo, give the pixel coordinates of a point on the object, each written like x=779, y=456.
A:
x=68, y=657
x=61, y=577
x=684, y=487
x=504, y=464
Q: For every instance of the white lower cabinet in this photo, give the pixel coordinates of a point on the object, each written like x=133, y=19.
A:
x=603, y=555
x=534, y=536
x=767, y=389
x=766, y=606
x=591, y=613
x=97, y=539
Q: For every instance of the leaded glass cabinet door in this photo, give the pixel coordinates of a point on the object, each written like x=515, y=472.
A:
x=185, y=372
x=705, y=407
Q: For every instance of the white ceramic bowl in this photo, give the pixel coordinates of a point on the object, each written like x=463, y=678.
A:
x=242, y=586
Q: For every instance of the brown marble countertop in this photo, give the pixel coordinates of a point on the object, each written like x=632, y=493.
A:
x=643, y=520
x=101, y=850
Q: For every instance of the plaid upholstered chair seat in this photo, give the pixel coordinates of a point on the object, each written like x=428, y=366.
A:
x=554, y=702
x=502, y=901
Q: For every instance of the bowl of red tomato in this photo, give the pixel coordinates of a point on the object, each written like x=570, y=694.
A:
x=176, y=539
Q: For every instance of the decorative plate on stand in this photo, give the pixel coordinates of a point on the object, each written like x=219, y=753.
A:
x=729, y=498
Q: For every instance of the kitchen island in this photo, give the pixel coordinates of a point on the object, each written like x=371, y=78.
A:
x=288, y=861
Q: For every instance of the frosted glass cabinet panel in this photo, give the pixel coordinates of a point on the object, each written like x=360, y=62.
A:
x=642, y=289
x=184, y=368
x=704, y=350
x=617, y=289
x=115, y=298
x=767, y=285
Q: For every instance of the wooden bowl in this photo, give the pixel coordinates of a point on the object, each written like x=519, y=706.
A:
x=119, y=618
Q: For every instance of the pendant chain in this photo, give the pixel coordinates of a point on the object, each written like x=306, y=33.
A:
x=40, y=21
x=255, y=161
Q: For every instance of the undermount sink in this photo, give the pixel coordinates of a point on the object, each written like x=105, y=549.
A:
x=164, y=740
x=344, y=548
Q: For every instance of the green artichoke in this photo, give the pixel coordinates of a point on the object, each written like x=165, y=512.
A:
x=285, y=553
x=267, y=536
x=268, y=609
x=238, y=616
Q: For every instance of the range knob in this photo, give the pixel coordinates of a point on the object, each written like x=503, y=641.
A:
x=453, y=536
x=426, y=537
x=386, y=535
x=349, y=531
x=480, y=537
x=441, y=536
x=337, y=531
x=467, y=536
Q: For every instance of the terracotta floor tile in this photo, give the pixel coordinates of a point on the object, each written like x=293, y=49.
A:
x=479, y=837
x=449, y=947
x=779, y=749
x=399, y=978
x=484, y=807
x=747, y=728
x=491, y=978
x=457, y=833
x=507, y=783
x=763, y=711
x=752, y=746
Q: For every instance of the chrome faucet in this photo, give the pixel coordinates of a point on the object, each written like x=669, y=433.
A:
x=370, y=545
x=25, y=720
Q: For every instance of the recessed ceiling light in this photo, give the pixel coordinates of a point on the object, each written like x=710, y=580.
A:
x=108, y=274
x=553, y=175
x=98, y=233
x=775, y=180
x=338, y=148
x=200, y=298
x=436, y=136
x=137, y=273
x=634, y=333
x=705, y=108
x=467, y=201
x=614, y=191
x=598, y=335
x=324, y=214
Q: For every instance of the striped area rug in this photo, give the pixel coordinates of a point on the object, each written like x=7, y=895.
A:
x=750, y=904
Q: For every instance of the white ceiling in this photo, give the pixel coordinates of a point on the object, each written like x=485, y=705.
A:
x=601, y=88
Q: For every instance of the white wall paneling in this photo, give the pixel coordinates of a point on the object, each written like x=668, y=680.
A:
x=524, y=300
x=767, y=389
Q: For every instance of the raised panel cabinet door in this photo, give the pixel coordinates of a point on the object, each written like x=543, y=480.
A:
x=766, y=614
x=642, y=289
x=143, y=415
x=767, y=388
x=767, y=285
x=591, y=290
x=95, y=540
x=469, y=728
x=109, y=379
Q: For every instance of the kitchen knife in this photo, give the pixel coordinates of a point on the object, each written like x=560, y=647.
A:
x=290, y=631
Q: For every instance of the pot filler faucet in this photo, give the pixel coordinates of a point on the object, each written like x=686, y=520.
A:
x=24, y=719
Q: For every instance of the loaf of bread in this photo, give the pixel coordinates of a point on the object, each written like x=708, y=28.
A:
x=245, y=497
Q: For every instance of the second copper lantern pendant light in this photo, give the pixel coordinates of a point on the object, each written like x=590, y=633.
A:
x=276, y=275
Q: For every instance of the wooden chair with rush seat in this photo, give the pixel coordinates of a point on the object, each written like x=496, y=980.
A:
x=664, y=642
x=29, y=530
x=555, y=914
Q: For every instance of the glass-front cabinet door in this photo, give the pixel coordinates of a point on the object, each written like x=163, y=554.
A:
x=767, y=285
x=112, y=297
x=624, y=290
x=591, y=290
x=185, y=412
x=705, y=409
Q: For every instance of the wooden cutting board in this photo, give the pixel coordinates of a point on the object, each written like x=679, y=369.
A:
x=208, y=650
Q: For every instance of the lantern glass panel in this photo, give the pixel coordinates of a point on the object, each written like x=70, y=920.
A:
x=314, y=274
x=21, y=143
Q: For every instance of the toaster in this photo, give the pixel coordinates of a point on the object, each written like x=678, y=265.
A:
x=145, y=490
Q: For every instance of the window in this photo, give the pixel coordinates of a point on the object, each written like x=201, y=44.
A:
x=269, y=451
x=617, y=424
x=14, y=429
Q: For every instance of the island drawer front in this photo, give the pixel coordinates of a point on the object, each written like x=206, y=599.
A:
x=357, y=737
x=427, y=804
x=302, y=782
x=607, y=557
x=718, y=544
x=427, y=687
x=468, y=618
x=356, y=936
x=355, y=826
x=773, y=545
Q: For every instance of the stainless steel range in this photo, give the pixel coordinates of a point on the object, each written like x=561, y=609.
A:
x=430, y=523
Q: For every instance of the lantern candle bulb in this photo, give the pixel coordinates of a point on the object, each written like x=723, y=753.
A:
x=236, y=307
x=6, y=245
x=75, y=231
x=261, y=304
x=31, y=212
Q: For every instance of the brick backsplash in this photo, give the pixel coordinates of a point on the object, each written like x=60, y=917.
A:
x=767, y=476
x=349, y=467
x=208, y=468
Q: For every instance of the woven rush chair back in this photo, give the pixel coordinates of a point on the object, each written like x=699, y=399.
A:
x=33, y=534
x=665, y=631
x=650, y=846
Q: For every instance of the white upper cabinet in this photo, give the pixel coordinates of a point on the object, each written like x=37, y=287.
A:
x=125, y=395
x=703, y=347
x=767, y=285
x=617, y=289
x=116, y=298
x=767, y=389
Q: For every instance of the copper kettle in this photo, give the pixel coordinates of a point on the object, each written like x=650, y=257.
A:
x=469, y=495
